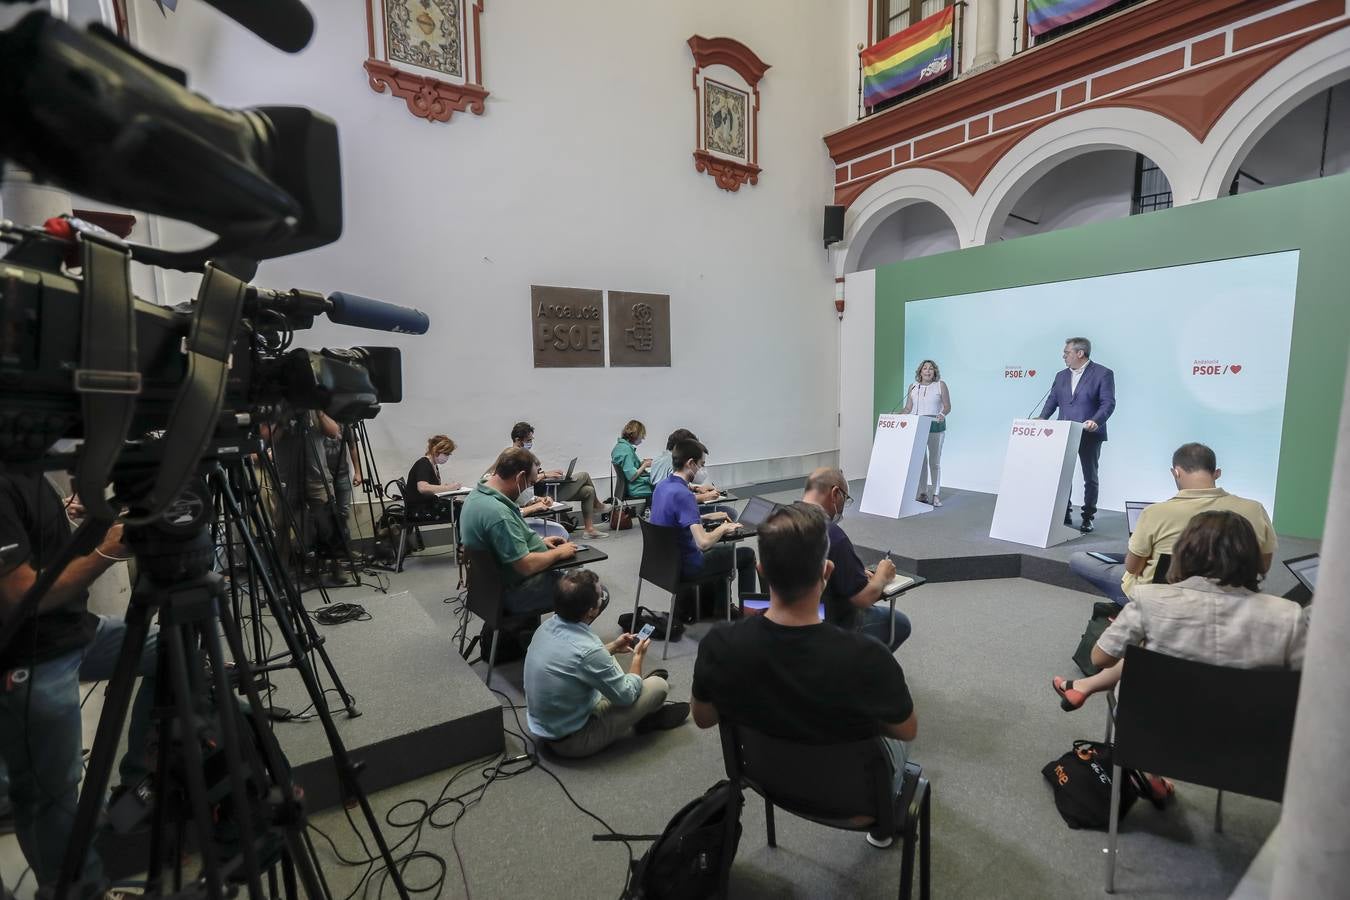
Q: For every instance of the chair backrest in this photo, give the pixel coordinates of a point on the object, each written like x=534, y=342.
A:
x=836, y=784
x=402, y=489
x=485, y=586
x=660, y=556
x=1218, y=726
x=1161, y=567
x=620, y=483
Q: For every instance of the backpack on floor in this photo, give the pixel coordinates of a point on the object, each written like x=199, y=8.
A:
x=1081, y=781
x=692, y=857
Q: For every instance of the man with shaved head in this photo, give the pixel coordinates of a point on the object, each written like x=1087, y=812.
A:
x=853, y=590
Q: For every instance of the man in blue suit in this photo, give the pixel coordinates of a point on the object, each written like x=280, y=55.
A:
x=1084, y=392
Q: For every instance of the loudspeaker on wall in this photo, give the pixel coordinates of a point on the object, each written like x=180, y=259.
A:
x=834, y=225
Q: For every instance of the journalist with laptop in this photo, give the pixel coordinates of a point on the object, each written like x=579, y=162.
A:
x=573, y=485
x=1196, y=472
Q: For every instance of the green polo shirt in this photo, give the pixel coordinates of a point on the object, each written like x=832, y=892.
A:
x=491, y=521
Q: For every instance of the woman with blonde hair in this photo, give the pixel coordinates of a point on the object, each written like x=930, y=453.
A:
x=625, y=458
x=424, y=478
x=928, y=396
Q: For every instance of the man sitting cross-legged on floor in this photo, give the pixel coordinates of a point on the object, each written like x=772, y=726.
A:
x=853, y=594
x=577, y=698
x=791, y=676
x=1195, y=471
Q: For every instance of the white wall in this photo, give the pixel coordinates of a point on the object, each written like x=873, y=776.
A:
x=579, y=174
x=918, y=230
x=1292, y=150
x=857, y=349
x=1093, y=187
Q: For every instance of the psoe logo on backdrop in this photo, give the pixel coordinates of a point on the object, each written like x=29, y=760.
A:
x=1214, y=367
x=1018, y=372
x=1033, y=430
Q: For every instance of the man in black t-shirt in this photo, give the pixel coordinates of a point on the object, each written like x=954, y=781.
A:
x=791, y=676
x=42, y=667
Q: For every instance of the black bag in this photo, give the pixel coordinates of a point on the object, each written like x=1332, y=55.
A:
x=1081, y=780
x=690, y=860
x=515, y=639
x=1103, y=614
x=656, y=620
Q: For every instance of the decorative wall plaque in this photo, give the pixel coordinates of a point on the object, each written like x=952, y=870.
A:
x=568, y=326
x=639, y=329
x=726, y=110
x=426, y=52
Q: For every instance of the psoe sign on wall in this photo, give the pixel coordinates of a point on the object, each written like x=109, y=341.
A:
x=568, y=326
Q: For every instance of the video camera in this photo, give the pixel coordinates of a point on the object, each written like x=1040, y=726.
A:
x=81, y=357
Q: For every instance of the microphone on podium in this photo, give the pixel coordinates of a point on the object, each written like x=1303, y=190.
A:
x=903, y=398
x=1035, y=410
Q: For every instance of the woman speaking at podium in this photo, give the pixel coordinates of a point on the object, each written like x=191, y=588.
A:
x=928, y=396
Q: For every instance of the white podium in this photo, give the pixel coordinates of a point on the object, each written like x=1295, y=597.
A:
x=1037, y=477
x=893, y=472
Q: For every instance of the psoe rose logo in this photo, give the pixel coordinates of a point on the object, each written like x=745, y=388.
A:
x=1203, y=367
x=1018, y=372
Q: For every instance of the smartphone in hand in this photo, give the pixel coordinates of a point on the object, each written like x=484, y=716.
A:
x=645, y=633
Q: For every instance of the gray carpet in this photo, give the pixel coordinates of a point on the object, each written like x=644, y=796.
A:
x=979, y=664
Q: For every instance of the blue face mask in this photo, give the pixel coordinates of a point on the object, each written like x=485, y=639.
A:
x=528, y=445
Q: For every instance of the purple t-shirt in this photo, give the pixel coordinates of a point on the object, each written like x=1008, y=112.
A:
x=674, y=506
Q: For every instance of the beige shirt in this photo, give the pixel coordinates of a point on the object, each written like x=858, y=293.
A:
x=1161, y=524
x=1200, y=620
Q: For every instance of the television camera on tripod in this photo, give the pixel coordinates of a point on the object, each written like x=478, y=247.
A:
x=164, y=405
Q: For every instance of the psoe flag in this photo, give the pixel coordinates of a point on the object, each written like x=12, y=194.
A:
x=1043, y=15
x=912, y=57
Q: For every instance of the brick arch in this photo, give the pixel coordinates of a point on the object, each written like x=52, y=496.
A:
x=889, y=195
x=1159, y=138
x=1320, y=65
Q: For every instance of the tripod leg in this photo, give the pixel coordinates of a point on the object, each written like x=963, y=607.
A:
x=172, y=640
x=115, y=705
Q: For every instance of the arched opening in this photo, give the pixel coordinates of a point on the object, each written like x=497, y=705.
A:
x=915, y=230
x=1091, y=187
x=1310, y=141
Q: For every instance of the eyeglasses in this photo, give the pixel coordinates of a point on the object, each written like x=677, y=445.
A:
x=848, y=500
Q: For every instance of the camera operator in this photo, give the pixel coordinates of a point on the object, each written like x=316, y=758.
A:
x=62, y=645
x=344, y=466
x=308, y=488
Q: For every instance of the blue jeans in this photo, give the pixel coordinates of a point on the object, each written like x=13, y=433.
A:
x=41, y=747
x=1105, y=577
x=875, y=622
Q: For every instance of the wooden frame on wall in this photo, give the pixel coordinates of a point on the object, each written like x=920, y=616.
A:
x=427, y=53
x=726, y=110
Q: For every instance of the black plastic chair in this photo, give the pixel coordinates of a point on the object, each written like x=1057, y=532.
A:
x=621, y=496
x=484, y=598
x=1215, y=726
x=436, y=514
x=661, y=566
x=1161, y=568
x=846, y=785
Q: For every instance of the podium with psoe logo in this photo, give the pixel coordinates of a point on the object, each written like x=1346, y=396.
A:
x=1037, y=477
x=893, y=471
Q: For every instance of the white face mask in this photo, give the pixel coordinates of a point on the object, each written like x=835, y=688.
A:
x=528, y=445
x=442, y=459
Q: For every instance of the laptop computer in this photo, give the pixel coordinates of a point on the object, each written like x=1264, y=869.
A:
x=1305, y=569
x=1132, y=510
x=756, y=510
x=567, y=476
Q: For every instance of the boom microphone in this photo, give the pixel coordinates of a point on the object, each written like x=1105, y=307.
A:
x=285, y=24
x=362, y=312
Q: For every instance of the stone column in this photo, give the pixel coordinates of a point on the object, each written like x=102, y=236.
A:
x=986, y=34
x=1314, y=854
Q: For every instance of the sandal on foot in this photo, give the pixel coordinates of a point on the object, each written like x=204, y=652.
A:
x=1161, y=791
x=1069, y=699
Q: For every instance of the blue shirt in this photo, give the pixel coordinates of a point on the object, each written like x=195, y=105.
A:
x=662, y=467
x=567, y=671
x=674, y=506
x=849, y=577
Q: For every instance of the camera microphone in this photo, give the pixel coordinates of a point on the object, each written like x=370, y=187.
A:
x=285, y=24
x=362, y=312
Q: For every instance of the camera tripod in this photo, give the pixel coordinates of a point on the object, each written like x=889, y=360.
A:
x=248, y=821
x=263, y=569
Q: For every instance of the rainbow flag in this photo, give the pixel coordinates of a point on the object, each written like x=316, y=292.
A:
x=1043, y=15
x=905, y=60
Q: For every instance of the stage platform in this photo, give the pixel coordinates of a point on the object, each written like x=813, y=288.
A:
x=952, y=542
x=422, y=708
